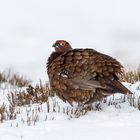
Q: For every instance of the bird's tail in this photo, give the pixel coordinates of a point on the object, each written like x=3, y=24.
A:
x=119, y=87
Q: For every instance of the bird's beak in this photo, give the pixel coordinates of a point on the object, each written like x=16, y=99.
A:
x=54, y=45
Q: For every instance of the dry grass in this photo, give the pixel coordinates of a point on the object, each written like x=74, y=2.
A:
x=131, y=76
x=37, y=94
x=13, y=78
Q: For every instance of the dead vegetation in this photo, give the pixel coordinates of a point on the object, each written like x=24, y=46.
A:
x=32, y=95
x=131, y=76
x=13, y=78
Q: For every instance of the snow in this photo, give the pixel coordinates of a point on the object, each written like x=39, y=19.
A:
x=62, y=130
x=115, y=122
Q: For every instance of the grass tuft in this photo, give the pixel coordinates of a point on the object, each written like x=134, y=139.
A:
x=131, y=76
x=13, y=78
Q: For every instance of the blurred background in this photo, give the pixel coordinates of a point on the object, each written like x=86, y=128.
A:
x=28, y=28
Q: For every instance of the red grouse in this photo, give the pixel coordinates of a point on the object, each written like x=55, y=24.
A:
x=83, y=75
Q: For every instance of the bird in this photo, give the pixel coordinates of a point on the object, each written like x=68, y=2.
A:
x=83, y=75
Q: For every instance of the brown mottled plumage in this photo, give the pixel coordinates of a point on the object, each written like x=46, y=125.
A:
x=83, y=75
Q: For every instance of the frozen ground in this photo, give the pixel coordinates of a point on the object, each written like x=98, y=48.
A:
x=112, y=122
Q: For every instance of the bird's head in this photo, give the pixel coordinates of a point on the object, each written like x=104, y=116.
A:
x=62, y=46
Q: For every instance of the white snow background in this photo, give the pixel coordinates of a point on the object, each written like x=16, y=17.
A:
x=28, y=28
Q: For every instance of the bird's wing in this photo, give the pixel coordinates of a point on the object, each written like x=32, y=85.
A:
x=86, y=64
x=90, y=62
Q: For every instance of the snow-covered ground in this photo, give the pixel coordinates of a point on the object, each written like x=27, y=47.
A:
x=111, y=122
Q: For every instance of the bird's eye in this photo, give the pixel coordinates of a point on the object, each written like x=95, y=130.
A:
x=62, y=43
